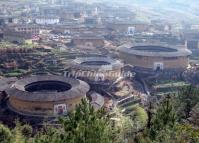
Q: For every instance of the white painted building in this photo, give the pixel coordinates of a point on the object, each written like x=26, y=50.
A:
x=131, y=31
x=47, y=20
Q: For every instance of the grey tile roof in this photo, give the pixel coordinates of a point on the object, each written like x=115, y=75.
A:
x=78, y=89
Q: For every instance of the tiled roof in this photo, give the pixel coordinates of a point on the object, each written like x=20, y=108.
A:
x=78, y=89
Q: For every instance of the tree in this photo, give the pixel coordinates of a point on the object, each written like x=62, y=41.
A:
x=166, y=127
x=21, y=133
x=194, y=115
x=122, y=125
x=5, y=134
x=86, y=125
x=128, y=121
x=26, y=131
x=165, y=118
x=139, y=117
x=49, y=135
x=186, y=99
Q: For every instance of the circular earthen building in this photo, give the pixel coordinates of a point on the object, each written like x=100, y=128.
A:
x=96, y=69
x=46, y=95
x=155, y=56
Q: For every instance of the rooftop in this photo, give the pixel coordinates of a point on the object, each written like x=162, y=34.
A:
x=154, y=50
x=48, y=88
x=151, y=48
x=97, y=63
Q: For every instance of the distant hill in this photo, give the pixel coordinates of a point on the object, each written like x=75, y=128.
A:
x=180, y=10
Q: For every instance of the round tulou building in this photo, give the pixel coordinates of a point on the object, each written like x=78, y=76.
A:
x=46, y=95
x=96, y=69
x=155, y=56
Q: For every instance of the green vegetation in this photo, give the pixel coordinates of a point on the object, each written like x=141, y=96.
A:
x=166, y=123
x=171, y=84
x=5, y=134
x=6, y=45
x=131, y=107
x=16, y=73
x=166, y=128
x=168, y=87
x=186, y=99
x=85, y=125
x=164, y=118
x=139, y=115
